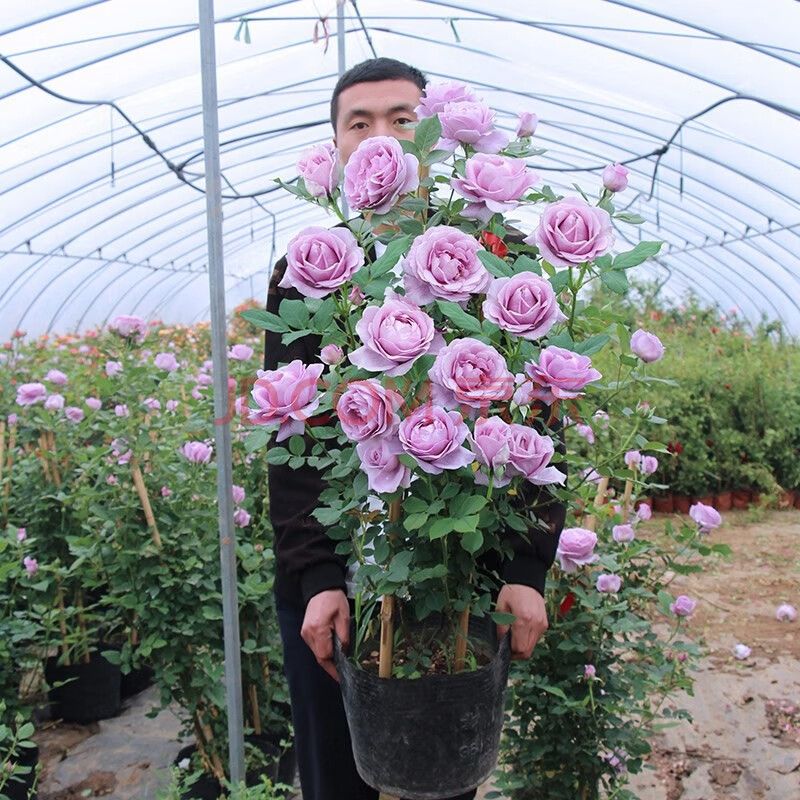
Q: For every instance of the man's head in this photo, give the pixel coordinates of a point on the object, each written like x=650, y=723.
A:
x=374, y=98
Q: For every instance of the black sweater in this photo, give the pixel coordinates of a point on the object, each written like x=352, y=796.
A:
x=306, y=561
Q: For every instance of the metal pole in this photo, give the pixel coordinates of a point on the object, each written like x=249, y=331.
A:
x=340, y=37
x=219, y=348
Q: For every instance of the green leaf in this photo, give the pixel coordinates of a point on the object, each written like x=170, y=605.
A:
x=458, y=316
x=294, y=313
x=323, y=316
x=414, y=505
x=407, y=460
x=265, y=319
x=394, y=251
x=435, y=156
x=655, y=447
x=625, y=216
x=297, y=445
x=560, y=280
x=256, y=440
x=411, y=226
x=594, y=344
x=288, y=338
x=638, y=255
x=408, y=146
x=472, y=541
x=277, y=455
x=501, y=618
x=466, y=504
x=527, y=264
x=466, y=524
x=327, y=516
x=415, y=521
x=604, y=261
x=616, y=281
x=441, y=527
x=554, y=690
x=427, y=133
x=494, y=264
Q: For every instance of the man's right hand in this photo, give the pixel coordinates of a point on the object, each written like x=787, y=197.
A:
x=326, y=612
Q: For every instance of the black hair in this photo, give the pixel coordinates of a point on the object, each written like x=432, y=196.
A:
x=371, y=70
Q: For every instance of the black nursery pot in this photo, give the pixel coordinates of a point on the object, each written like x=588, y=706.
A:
x=137, y=680
x=432, y=737
x=20, y=789
x=206, y=787
x=284, y=762
x=93, y=691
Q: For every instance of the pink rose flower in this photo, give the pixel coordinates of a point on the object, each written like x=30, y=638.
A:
x=22, y=535
x=204, y=380
x=443, y=263
x=356, y=296
x=490, y=441
x=197, y=452
x=319, y=169
x=526, y=127
x=113, y=368
x=493, y=185
x=434, y=437
x=93, y=403
x=378, y=173
x=623, y=533
x=608, y=582
x=29, y=394
x=589, y=672
x=572, y=232
x=784, y=613
x=238, y=494
x=384, y=470
x=591, y=475
x=129, y=327
x=648, y=465
x=367, y=410
x=559, y=375
x=395, y=335
x=73, y=413
x=707, y=517
x=585, y=431
x=523, y=304
x=470, y=123
x=529, y=456
x=12, y=418
x=31, y=565
x=682, y=606
x=615, y=178
x=438, y=95
x=166, y=361
x=331, y=355
x=241, y=518
x=55, y=402
x=56, y=377
x=240, y=352
x=741, y=652
x=172, y=405
x=286, y=397
x=644, y=512
x=166, y=492
x=633, y=458
x=576, y=548
x=111, y=480
x=121, y=410
x=602, y=419
x=646, y=346
x=196, y=393
x=469, y=372
x=320, y=260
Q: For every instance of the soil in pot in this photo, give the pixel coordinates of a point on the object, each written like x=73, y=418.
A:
x=89, y=691
x=21, y=789
x=663, y=504
x=722, y=502
x=431, y=737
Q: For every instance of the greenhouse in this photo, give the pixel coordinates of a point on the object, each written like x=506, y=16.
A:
x=399, y=400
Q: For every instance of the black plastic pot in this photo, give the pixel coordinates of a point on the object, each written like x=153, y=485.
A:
x=21, y=789
x=206, y=787
x=137, y=680
x=92, y=692
x=432, y=737
x=284, y=762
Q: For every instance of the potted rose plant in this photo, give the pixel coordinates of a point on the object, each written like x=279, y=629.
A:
x=446, y=367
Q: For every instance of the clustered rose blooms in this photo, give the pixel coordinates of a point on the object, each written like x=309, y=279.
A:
x=682, y=606
x=572, y=232
x=368, y=410
x=395, y=335
x=443, y=263
x=559, y=375
x=197, y=452
x=707, y=517
x=470, y=123
x=319, y=169
x=576, y=548
x=615, y=178
x=320, y=260
x=434, y=438
x=471, y=373
x=286, y=397
x=438, y=95
x=524, y=304
x=493, y=185
x=646, y=346
x=378, y=173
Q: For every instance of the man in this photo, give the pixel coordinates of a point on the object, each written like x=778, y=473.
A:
x=374, y=98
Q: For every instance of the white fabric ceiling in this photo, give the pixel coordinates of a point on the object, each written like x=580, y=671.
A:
x=94, y=222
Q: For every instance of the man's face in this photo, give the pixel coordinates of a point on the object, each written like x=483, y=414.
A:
x=378, y=108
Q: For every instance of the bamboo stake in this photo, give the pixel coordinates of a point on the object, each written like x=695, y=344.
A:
x=208, y=735
x=141, y=490
x=254, y=709
x=12, y=441
x=599, y=500
x=461, y=640
x=51, y=440
x=44, y=449
x=201, y=748
x=387, y=614
x=63, y=625
x=626, y=500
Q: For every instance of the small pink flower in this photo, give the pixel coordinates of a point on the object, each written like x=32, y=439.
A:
x=434, y=438
x=585, y=431
x=576, y=548
x=241, y=518
x=526, y=127
x=12, y=418
x=559, y=375
x=319, y=169
x=589, y=672
x=56, y=377
x=172, y=405
x=238, y=494
x=438, y=95
x=30, y=393
x=55, y=402
x=196, y=393
x=129, y=327
x=121, y=410
x=615, y=178
x=331, y=354
x=378, y=173
x=648, y=465
x=741, y=652
x=608, y=583
x=523, y=304
x=384, y=470
x=30, y=565
x=473, y=124
x=241, y=352
x=111, y=480
x=633, y=458
x=197, y=452
x=682, y=606
x=73, y=413
x=166, y=361
x=93, y=403
x=647, y=346
x=784, y=613
x=707, y=517
x=113, y=368
x=644, y=512
x=165, y=492
x=367, y=410
x=356, y=296
x=204, y=380
x=152, y=403
x=623, y=533
x=22, y=534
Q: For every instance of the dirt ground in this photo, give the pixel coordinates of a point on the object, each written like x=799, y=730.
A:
x=743, y=744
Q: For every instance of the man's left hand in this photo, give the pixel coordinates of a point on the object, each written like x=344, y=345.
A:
x=527, y=605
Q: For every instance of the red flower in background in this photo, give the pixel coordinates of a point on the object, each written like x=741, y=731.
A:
x=494, y=244
x=675, y=447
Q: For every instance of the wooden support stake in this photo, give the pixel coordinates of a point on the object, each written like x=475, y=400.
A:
x=43, y=450
x=387, y=614
x=208, y=735
x=51, y=441
x=461, y=641
x=626, y=500
x=141, y=490
x=599, y=500
x=12, y=441
x=254, y=709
